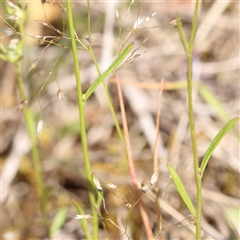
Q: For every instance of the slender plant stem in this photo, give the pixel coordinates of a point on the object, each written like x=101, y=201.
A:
x=29, y=119
x=89, y=21
x=182, y=36
x=188, y=47
x=82, y=122
x=191, y=119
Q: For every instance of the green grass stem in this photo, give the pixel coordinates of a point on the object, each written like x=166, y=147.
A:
x=188, y=47
x=30, y=123
x=82, y=121
x=28, y=116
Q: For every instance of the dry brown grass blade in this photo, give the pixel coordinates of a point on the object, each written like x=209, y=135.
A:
x=155, y=158
x=142, y=208
x=157, y=128
x=152, y=85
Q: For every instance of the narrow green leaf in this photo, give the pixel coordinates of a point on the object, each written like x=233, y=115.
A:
x=181, y=189
x=83, y=221
x=110, y=70
x=58, y=221
x=215, y=142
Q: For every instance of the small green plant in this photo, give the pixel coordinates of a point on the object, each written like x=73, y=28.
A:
x=198, y=169
x=82, y=98
x=13, y=53
x=89, y=220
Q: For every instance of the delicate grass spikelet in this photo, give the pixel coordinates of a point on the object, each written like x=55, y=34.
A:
x=96, y=182
x=154, y=178
x=112, y=186
x=140, y=20
x=143, y=183
x=117, y=13
x=137, y=23
x=174, y=22
x=149, y=17
x=128, y=205
x=39, y=127
x=84, y=216
x=60, y=95
x=21, y=105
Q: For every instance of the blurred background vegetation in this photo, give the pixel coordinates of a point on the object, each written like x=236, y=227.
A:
x=215, y=69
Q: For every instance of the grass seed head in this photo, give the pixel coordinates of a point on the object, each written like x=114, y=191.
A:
x=39, y=127
x=112, y=186
x=60, y=95
x=21, y=105
x=86, y=216
x=97, y=183
x=154, y=178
